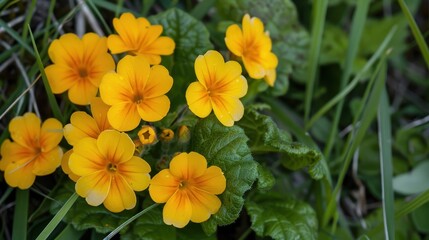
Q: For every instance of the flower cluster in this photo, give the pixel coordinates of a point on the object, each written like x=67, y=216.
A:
x=127, y=103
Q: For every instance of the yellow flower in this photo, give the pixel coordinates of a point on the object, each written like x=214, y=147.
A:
x=189, y=189
x=137, y=91
x=139, y=37
x=219, y=87
x=253, y=46
x=34, y=152
x=147, y=135
x=82, y=125
x=79, y=65
x=109, y=173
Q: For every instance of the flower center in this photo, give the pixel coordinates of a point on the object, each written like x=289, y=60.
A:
x=83, y=73
x=112, y=167
x=146, y=135
x=183, y=184
x=138, y=99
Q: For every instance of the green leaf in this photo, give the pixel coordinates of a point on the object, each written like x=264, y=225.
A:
x=192, y=39
x=413, y=182
x=226, y=148
x=420, y=218
x=266, y=179
x=281, y=218
x=83, y=216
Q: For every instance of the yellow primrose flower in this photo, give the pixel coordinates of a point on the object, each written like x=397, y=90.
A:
x=253, y=46
x=189, y=189
x=109, y=172
x=137, y=91
x=34, y=152
x=82, y=125
x=147, y=135
x=139, y=37
x=219, y=87
x=79, y=65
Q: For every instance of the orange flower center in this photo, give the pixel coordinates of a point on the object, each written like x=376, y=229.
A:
x=111, y=167
x=83, y=73
x=138, y=99
x=183, y=184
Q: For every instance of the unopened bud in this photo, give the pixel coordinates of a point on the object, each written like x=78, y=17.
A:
x=147, y=135
x=166, y=135
x=184, y=135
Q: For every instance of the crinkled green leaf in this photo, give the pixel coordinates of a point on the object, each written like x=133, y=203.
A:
x=266, y=179
x=226, y=148
x=281, y=218
x=83, y=216
x=290, y=39
x=265, y=137
x=192, y=39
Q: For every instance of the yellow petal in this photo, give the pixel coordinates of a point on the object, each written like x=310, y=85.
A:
x=61, y=77
x=99, y=112
x=149, y=35
x=206, y=67
x=230, y=81
x=203, y=205
x=6, y=148
x=19, y=174
x=252, y=27
x=158, y=83
x=162, y=186
x=213, y=181
x=86, y=158
x=114, y=89
x=227, y=109
x=124, y=116
x=82, y=92
x=234, y=40
x=115, y=146
x=13, y=152
x=270, y=78
x=50, y=134
x=135, y=70
x=117, y=45
x=66, y=50
x=161, y=46
x=178, y=210
x=188, y=165
x=85, y=123
x=254, y=68
x=269, y=60
x=127, y=28
x=198, y=100
x=154, y=109
x=94, y=187
x=121, y=196
x=96, y=56
x=136, y=173
x=73, y=134
x=25, y=130
x=47, y=162
x=65, y=166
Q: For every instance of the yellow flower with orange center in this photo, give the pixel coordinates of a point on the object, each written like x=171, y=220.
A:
x=138, y=37
x=109, y=172
x=253, y=46
x=83, y=125
x=189, y=189
x=34, y=152
x=78, y=66
x=137, y=91
x=219, y=87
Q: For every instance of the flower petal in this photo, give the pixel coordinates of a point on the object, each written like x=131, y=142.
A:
x=19, y=174
x=178, y=210
x=203, y=205
x=121, y=196
x=13, y=152
x=135, y=70
x=114, y=89
x=94, y=187
x=162, y=186
x=270, y=77
x=136, y=173
x=158, y=83
x=25, y=130
x=85, y=123
x=66, y=50
x=198, y=100
x=212, y=181
x=115, y=146
x=161, y=46
x=82, y=92
x=65, y=166
x=99, y=112
x=117, y=45
x=206, y=67
x=61, y=77
x=51, y=134
x=234, y=40
x=47, y=162
x=86, y=158
x=124, y=116
x=254, y=68
x=187, y=166
x=154, y=109
x=227, y=109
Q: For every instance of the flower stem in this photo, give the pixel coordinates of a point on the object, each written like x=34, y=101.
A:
x=114, y=232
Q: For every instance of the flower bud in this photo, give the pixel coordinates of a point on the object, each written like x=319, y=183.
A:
x=147, y=135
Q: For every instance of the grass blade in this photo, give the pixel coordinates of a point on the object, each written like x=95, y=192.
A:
x=57, y=218
x=416, y=31
x=70, y=232
x=359, y=19
x=51, y=98
x=199, y=11
x=20, y=215
x=319, y=14
x=385, y=140
x=16, y=36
